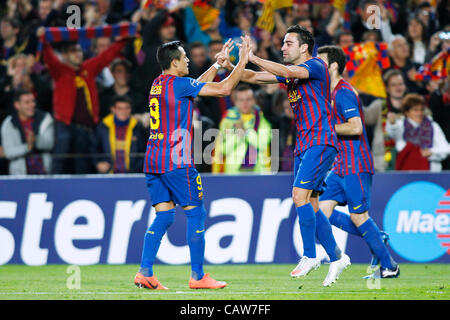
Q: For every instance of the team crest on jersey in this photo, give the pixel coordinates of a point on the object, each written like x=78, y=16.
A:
x=293, y=96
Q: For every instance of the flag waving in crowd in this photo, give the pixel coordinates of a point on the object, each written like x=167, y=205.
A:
x=365, y=62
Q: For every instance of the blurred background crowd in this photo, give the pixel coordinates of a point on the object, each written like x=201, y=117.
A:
x=80, y=107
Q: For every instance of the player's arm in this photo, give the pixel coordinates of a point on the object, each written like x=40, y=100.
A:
x=278, y=69
x=250, y=76
x=255, y=77
x=209, y=74
x=352, y=127
x=224, y=88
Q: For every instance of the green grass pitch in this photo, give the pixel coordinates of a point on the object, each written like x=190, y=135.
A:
x=245, y=282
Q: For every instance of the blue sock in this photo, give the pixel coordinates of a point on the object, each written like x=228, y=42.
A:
x=325, y=236
x=343, y=221
x=307, y=221
x=152, y=240
x=195, y=235
x=371, y=234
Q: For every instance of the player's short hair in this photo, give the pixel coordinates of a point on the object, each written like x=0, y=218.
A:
x=334, y=54
x=121, y=98
x=411, y=100
x=304, y=36
x=168, y=52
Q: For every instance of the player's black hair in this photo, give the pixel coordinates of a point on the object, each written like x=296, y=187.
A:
x=121, y=98
x=334, y=54
x=304, y=36
x=168, y=52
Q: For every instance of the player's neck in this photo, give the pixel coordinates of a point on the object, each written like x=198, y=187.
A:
x=303, y=59
x=172, y=72
x=335, y=80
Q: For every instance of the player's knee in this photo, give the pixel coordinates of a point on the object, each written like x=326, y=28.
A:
x=300, y=198
x=359, y=218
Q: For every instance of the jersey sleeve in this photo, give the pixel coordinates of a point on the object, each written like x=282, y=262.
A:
x=281, y=79
x=347, y=103
x=187, y=87
x=315, y=69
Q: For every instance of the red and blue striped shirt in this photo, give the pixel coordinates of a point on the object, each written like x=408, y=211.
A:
x=310, y=100
x=354, y=151
x=171, y=103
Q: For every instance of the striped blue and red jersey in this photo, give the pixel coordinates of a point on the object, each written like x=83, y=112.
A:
x=171, y=103
x=310, y=100
x=354, y=151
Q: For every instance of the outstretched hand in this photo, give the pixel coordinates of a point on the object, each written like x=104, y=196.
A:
x=223, y=57
x=244, y=49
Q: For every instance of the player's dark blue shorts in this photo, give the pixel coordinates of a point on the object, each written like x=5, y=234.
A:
x=353, y=190
x=182, y=186
x=312, y=165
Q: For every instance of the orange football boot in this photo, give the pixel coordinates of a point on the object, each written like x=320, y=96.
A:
x=148, y=282
x=206, y=283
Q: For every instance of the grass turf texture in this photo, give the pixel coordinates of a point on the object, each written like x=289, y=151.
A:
x=245, y=282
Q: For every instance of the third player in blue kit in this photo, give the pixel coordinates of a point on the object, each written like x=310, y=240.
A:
x=350, y=180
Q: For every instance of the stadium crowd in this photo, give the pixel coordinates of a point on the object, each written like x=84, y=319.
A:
x=79, y=107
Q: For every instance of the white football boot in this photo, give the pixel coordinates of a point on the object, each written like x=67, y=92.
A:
x=336, y=268
x=305, y=266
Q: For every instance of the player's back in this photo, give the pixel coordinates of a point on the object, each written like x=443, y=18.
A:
x=354, y=151
x=171, y=103
x=310, y=100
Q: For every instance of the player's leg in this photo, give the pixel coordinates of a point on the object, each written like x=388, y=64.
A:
x=333, y=195
x=186, y=186
x=311, y=168
x=339, y=261
x=358, y=195
x=165, y=214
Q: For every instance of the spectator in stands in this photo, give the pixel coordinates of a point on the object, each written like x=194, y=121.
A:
x=361, y=19
x=75, y=101
x=344, y=39
x=439, y=104
x=417, y=37
x=10, y=42
x=121, y=72
x=28, y=137
x=399, y=53
x=105, y=78
x=19, y=76
x=119, y=137
x=383, y=146
x=420, y=142
x=244, y=145
x=199, y=59
x=158, y=28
